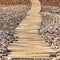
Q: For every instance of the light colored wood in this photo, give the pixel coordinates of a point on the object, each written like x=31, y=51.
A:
x=29, y=44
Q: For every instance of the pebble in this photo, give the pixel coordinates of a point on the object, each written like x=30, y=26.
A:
x=50, y=28
x=10, y=18
x=52, y=9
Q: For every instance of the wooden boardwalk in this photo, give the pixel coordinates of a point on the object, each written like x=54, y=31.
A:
x=29, y=44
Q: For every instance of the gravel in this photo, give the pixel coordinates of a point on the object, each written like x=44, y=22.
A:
x=10, y=18
x=50, y=28
x=51, y=9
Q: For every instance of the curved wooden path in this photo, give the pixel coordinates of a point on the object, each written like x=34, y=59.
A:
x=29, y=44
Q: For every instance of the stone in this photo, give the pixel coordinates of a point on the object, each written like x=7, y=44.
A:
x=50, y=29
x=10, y=18
x=50, y=5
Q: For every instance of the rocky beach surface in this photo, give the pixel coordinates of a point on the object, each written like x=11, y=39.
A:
x=50, y=27
x=10, y=18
